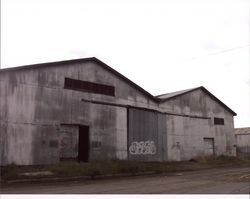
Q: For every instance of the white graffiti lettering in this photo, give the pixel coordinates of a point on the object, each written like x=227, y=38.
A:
x=142, y=148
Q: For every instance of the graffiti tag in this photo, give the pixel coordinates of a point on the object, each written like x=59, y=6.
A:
x=142, y=148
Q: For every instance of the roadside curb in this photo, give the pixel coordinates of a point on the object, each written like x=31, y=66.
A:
x=62, y=179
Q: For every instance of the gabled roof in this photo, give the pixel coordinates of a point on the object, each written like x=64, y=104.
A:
x=157, y=99
x=168, y=96
x=242, y=131
x=82, y=60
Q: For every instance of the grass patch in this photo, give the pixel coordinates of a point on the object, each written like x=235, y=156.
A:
x=95, y=168
x=222, y=160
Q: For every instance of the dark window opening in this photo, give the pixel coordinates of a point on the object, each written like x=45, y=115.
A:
x=218, y=121
x=91, y=87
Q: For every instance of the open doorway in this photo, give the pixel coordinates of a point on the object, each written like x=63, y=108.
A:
x=83, y=144
x=74, y=143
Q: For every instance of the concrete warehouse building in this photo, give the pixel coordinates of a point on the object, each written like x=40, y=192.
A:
x=84, y=110
x=242, y=136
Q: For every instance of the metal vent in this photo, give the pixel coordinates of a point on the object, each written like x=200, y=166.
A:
x=218, y=121
x=90, y=87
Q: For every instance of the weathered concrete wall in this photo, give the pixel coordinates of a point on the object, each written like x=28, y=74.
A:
x=243, y=144
x=121, y=134
x=16, y=131
x=185, y=137
x=186, y=134
x=110, y=132
x=34, y=103
x=35, y=107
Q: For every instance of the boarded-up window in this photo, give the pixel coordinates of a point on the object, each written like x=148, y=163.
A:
x=218, y=121
x=90, y=87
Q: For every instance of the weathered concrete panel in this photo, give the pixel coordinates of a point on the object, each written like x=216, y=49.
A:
x=186, y=138
x=195, y=103
x=162, y=138
x=3, y=144
x=121, y=134
x=103, y=130
x=243, y=144
x=16, y=144
x=185, y=134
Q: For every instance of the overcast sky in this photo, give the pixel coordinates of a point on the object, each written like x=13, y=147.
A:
x=163, y=46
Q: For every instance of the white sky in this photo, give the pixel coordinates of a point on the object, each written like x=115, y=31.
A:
x=161, y=45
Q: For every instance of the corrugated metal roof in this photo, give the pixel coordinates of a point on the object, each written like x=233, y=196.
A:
x=173, y=94
x=245, y=130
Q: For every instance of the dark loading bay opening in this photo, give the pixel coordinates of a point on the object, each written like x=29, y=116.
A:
x=83, y=146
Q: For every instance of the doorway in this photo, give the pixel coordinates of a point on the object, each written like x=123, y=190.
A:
x=209, y=146
x=68, y=139
x=83, y=145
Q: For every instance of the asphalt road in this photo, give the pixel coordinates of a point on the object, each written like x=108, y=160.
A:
x=210, y=181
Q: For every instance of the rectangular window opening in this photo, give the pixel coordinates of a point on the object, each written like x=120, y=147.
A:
x=90, y=87
x=218, y=121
